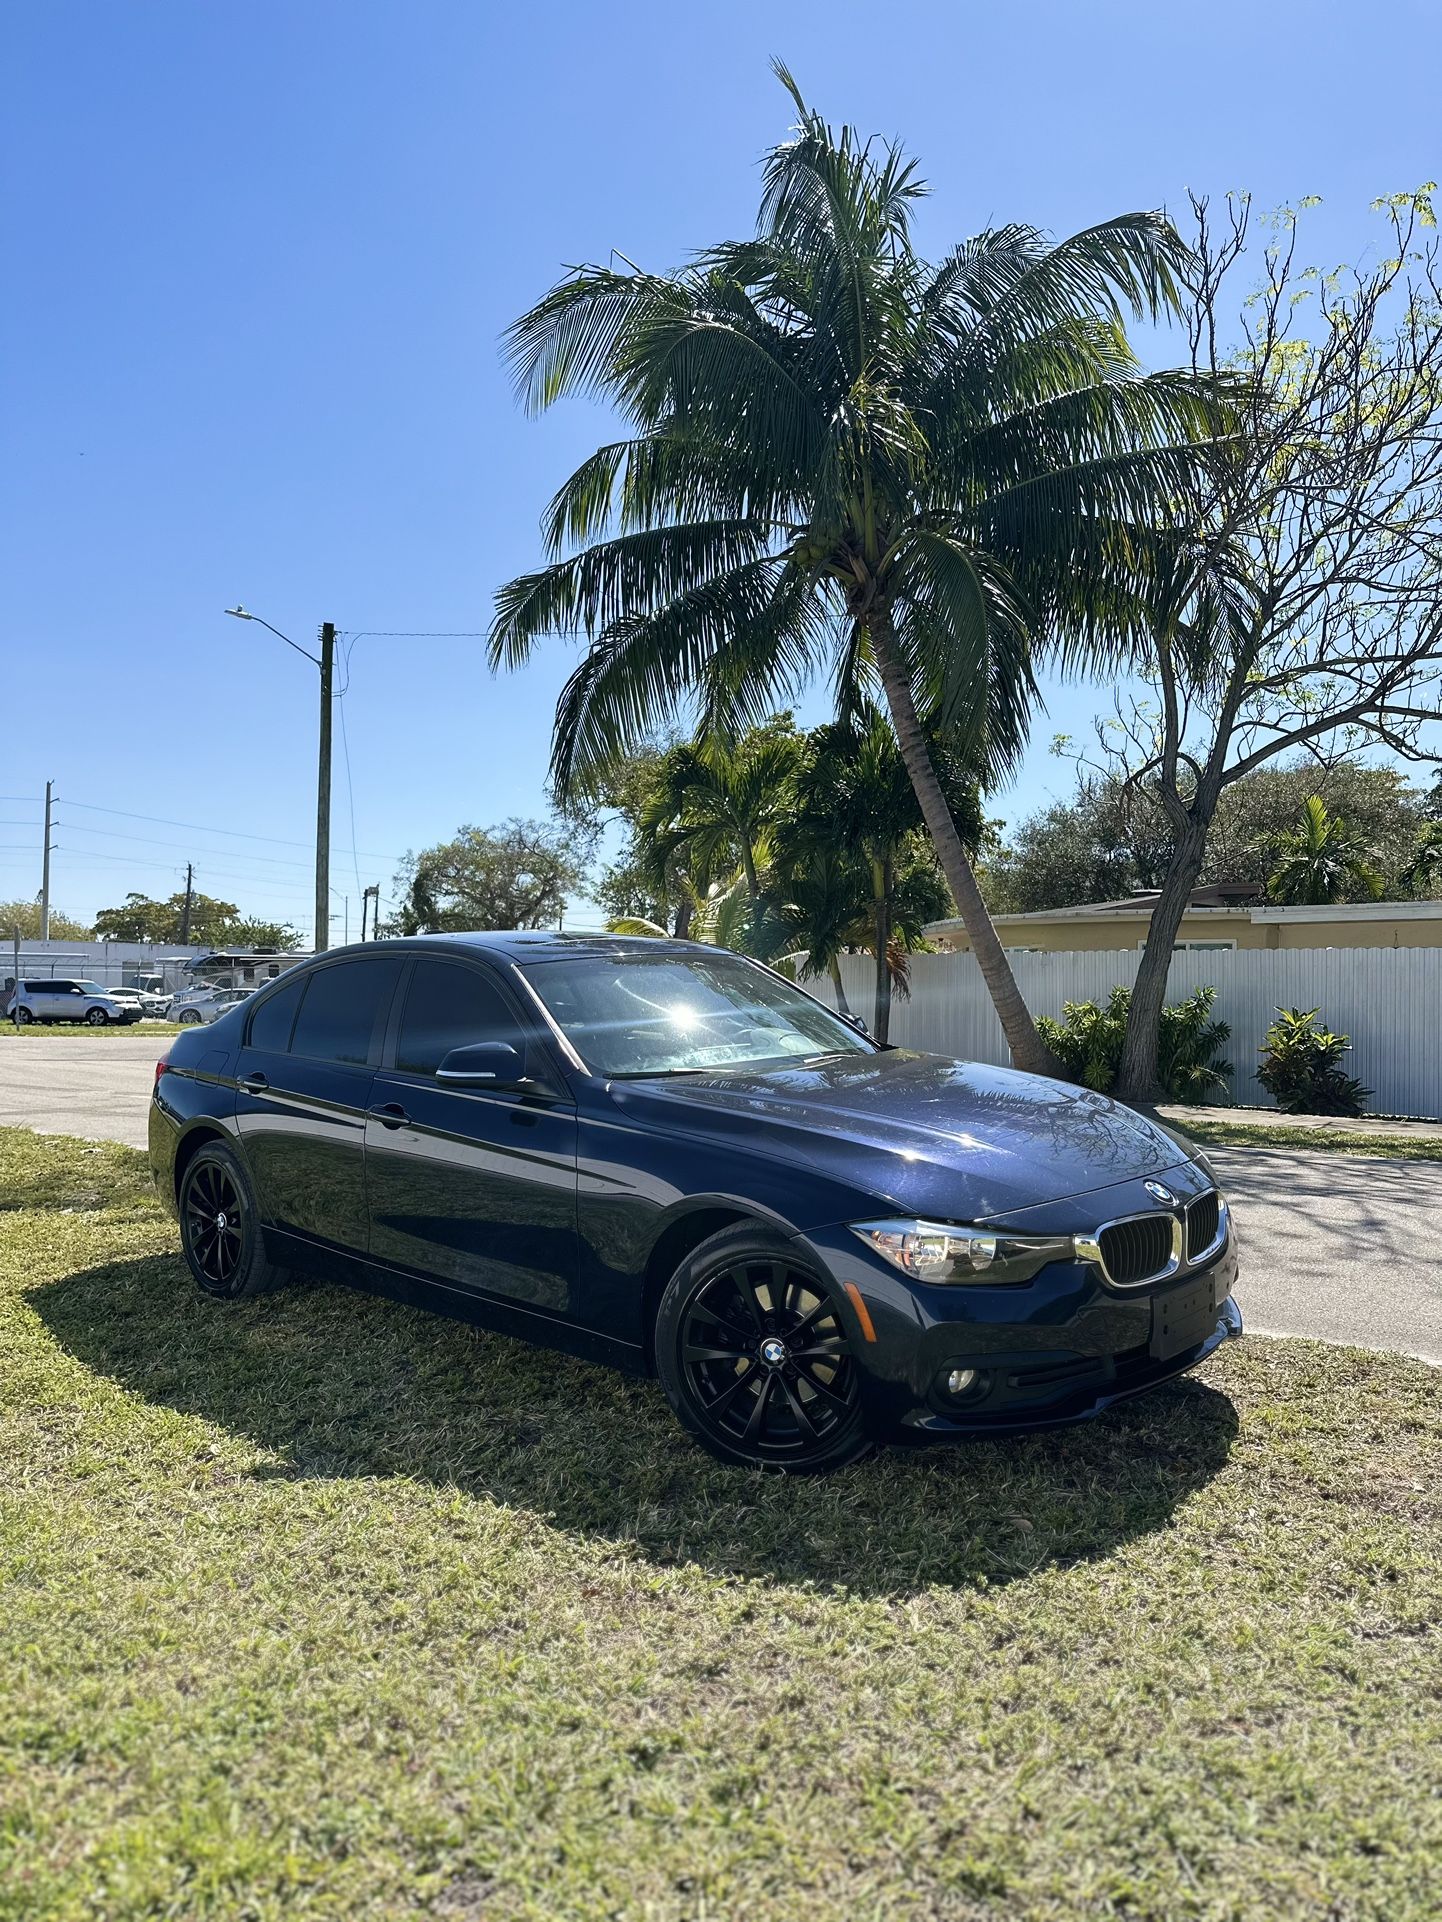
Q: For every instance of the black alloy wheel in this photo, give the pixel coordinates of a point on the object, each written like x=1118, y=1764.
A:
x=96, y=1018
x=756, y=1359
x=219, y=1230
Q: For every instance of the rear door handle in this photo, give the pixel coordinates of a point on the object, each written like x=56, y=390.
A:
x=390, y=1114
x=254, y=1083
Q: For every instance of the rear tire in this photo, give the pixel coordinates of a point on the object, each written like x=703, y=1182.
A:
x=220, y=1228
x=188, y=1018
x=755, y=1359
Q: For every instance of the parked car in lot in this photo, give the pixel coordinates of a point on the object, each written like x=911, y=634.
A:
x=67, y=1000
x=666, y=1156
x=151, y=1006
x=196, y=1008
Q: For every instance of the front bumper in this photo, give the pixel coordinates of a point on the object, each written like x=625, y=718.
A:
x=1042, y=1354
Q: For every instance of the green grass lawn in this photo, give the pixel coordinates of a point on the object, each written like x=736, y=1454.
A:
x=321, y=1607
x=1262, y=1134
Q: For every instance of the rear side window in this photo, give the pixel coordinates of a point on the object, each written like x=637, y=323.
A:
x=275, y=1017
x=448, y=1006
x=341, y=1008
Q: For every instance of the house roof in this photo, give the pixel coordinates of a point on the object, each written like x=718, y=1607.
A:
x=1139, y=908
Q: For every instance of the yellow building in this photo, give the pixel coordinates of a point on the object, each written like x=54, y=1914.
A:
x=1218, y=917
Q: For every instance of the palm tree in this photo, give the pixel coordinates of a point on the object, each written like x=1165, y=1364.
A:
x=844, y=460
x=854, y=791
x=1320, y=861
x=1422, y=875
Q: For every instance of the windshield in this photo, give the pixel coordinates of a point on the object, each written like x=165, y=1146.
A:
x=91, y=987
x=677, y=1014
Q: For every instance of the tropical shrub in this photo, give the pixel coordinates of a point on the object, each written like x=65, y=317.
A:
x=1301, y=1067
x=1088, y=1043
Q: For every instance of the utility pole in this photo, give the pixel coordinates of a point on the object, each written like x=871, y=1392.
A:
x=45, y=870
x=322, y=793
x=15, y=992
x=325, y=662
x=189, y=896
x=372, y=893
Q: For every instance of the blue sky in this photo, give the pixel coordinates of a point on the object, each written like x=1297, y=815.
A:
x=259, y=256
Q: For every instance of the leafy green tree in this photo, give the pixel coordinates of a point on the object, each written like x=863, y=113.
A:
x=1320, y=860
x=843, y=459
x=1112, y=838
x=1304, y=614
x=854, y=791
x=712, y=806
x=139, y=918
x=213, y=924
x=516, y=875
x=1422, y=875
x=25, y=915
x=249, y=932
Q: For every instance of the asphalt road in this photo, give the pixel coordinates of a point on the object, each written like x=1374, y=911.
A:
x=1339, y=1247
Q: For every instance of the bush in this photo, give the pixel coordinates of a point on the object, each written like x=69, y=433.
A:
x=1301, y=1067
x=1087, y=1041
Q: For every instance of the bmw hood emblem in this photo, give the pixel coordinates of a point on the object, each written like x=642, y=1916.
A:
x=1160, y=1192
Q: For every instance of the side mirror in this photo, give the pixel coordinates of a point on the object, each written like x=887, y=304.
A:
x=855, y=1021
x=493, y=1064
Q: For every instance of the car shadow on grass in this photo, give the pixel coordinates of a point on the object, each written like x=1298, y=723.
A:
x=330, y=1383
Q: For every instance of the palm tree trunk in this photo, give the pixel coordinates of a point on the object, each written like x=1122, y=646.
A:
x=881, y=938
x=843, y=1006
x=682, y=928
x=1028, y=1050
x=1137, y=1070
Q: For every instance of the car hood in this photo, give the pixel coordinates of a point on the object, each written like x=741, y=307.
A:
x=957, y=1139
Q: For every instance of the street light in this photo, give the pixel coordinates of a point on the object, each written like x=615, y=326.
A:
x=324, y=661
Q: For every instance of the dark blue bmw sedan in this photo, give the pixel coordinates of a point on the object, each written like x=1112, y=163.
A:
x=665, y=1156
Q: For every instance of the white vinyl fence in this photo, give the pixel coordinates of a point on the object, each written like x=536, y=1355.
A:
x=1389, y=1000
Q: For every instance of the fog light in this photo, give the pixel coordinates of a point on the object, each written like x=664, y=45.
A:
x=959, y=1380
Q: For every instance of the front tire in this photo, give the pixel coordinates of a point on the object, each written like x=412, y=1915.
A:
x=96, y=1018
x=220, y=1228
x=189, y=1018
x=755, y=1359
x=24, y=1017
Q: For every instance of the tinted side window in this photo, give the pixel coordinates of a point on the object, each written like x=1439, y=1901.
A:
x=275, y=1017
x=447, y=1007
x=341, y=1007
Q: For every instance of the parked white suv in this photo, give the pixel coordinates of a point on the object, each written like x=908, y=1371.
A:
x=69, y=1000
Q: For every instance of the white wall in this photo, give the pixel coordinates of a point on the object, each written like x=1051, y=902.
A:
x=1389, y=1000
x=110, y=963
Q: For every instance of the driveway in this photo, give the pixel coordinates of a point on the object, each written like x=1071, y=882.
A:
x=1339, y=1247
x=1334, y=1246
x=76, y=1085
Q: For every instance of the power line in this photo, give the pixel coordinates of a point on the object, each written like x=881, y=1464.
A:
x=419, y=634
x=150, y=841
x=197, y=827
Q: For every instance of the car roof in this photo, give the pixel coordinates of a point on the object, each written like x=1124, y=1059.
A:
x=537, y=944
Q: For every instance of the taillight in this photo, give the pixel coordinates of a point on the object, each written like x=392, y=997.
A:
x=161, y=1065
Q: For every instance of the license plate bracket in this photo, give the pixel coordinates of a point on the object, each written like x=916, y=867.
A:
x=1181, y=1318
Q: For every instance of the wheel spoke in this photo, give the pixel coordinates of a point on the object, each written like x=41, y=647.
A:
x=820, y=1351
x=748, y=1297
x=825, y=1389
x=799, y=1410
x=724, y=1396
x=699, y=1311
x=821, y=1312
x=780, y=1287
x=755, y=1425
x=694, y=1353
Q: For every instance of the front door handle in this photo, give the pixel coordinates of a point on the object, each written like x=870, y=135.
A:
x=254, y=1083
x=390, y=1114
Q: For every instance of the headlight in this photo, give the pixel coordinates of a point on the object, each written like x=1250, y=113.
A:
x=932, y=1251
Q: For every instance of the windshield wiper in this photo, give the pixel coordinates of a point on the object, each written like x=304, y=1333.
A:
x=658, y=1074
